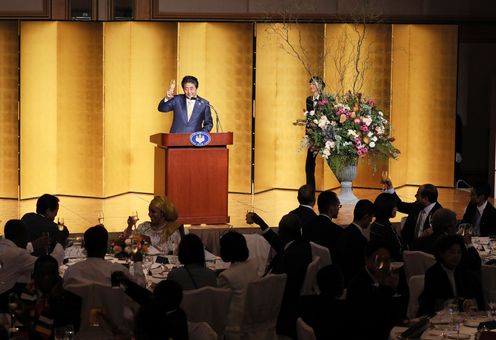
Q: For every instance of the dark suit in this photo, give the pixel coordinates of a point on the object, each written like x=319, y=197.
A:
x=310, y=161
x=201, y=118
x=488, y=219
x=327, y=316
x=437, y=289
x=376, y=310
x=293, y=261
x=384, y=232
x=307, y=217
x=351, y=252
x=413, y=209
x=326, y=233
x=37, y=224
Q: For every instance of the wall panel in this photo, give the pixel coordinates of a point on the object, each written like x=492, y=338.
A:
x=220, y=55
x=9, y=46
x=282, y=87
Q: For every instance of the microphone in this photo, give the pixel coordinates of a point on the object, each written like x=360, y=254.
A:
x=217, y=120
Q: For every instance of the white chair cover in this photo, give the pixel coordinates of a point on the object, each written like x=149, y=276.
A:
x=304, y=331
x=323, y=253
x=416, y=286
x=309, y=286
x=201, y=331
x=417, y=263
x=259, y=250
x=263, y=301
x=114, y=305
x=207, y=304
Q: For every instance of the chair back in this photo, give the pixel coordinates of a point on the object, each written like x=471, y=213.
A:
x=309, y=286
x=259, y=250
x=304, y=331
x=488, y=278
x=207, y=304
x=323, y=253
x=105, y=301
x=417, y=263
x=263, y=302
x=416, y=286
x=201, y=331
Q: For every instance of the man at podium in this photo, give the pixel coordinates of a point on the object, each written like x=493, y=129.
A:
x=191, y=112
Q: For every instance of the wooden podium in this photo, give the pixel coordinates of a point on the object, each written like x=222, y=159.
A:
x=195, y=178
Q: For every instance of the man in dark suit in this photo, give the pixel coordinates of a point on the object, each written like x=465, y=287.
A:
x=293, y=255
x=419, y=212
x=480, y=212
x=323, y=230
x=191, y=113
x=371, y=294
x=306, y=198
x=47, y=207
x=352, y=242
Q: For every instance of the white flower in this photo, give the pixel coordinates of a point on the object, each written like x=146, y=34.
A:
x=326, y=153
x=312, y=113
x=374, y=139
x=367, y=120
x=379, y=130
x=352, y=133
x=330, y=144
x=370, y=134
x=305, y=113
x=372, y=145
x=333, y=123
x=316, y=121
x=380, y=113
x=346, y=143
x=128, y=241
x=323, y=122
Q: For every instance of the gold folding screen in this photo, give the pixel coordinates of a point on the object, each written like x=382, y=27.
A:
x=281, y=90
x=8, y=109
x=220, y=56
x=424, y=73
x=89, y=93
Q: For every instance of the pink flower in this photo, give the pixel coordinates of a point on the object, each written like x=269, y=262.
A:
x=357, y=140
x=357, y=121
x=364, y=128
x=323, y=102
x=371, y=102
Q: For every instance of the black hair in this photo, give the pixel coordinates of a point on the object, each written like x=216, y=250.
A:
x=289, y=228
x=189, y=79
x=384, y=205
x=317, y=80
x=482, y=189
x=442, y=220
x=96, y=241
x=168, y=294
x=14, y=228
x=191, y=250
x=43, y=260
x=446, y=242
x=429, y=191
x=306, y=194
x=326, y=199
x=330, y=280
x=233, y=247
x=46, y=202
x=362, y=208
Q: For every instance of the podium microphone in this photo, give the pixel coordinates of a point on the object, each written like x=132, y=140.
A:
x=217, y=120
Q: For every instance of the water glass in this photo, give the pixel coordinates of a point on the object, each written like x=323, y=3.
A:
x=69, y=332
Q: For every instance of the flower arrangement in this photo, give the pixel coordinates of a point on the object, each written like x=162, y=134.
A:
x=348, y=127
x=128, y=243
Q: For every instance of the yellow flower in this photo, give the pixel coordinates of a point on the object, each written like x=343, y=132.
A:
x=342, y=118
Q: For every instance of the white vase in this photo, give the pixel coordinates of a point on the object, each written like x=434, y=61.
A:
x=346, y=176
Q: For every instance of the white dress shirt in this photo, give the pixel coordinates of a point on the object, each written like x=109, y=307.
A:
x=18, y=263
x=421, y=218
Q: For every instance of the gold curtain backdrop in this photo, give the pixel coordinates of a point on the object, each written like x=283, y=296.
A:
x=89, y=92
x=9, y=78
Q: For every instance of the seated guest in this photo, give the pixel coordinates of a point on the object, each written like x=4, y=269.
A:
x=17, y=262
x=480, y=212
x=327, y=313
x=47, y=305
x=352, y=242
x=240, y=273
x=371, y=295
x=160, y=315
x=293, y=255
x=194, y=274
x=306, y=198
x=323, y=231
x=95, y=269
x=443, y=222
x=163, y=232
x=419, y=212
x=382, y=231
x=446, y=280
x=47, y=207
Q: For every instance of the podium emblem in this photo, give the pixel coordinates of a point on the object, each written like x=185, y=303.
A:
x=200, y=138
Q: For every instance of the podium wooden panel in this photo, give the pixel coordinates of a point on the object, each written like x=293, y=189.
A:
x=195, y=178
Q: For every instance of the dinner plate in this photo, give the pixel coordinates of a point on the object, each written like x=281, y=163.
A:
x=473, y=322
x=458, y=336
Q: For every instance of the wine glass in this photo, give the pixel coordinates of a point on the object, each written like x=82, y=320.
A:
x=59, y=333
x=100, y=217
x=61, y=223
x=134, y=217
x=13, y=303
x=69, y=332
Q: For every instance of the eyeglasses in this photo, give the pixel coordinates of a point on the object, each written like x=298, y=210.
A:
x=340, y=206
